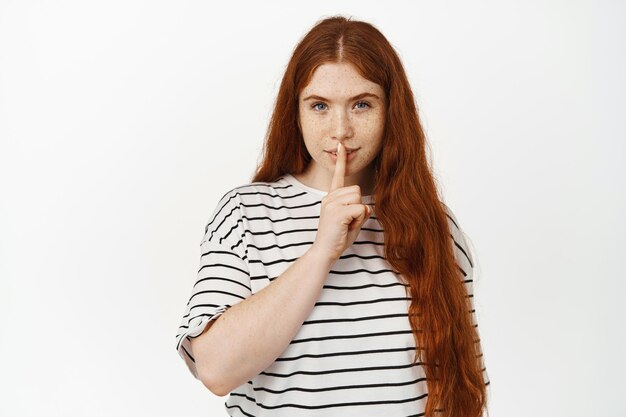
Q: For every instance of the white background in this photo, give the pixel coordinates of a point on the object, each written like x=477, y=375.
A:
x=123, y=122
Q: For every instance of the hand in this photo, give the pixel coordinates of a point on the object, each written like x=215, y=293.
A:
x=342, y=213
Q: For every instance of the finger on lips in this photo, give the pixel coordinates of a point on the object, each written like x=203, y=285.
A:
x=338, y=180
x=340, y=169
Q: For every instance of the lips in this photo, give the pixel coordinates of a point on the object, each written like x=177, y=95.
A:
x=349, y=157
x=348, y=150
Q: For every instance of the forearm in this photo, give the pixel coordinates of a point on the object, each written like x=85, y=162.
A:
x=249, y=336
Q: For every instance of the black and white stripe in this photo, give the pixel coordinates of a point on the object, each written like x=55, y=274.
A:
x=353, y=354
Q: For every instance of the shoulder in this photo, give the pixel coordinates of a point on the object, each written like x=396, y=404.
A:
x=259, y=194
x=453, y=222
x=459, y=237
x=257, y=190
x=232, y=207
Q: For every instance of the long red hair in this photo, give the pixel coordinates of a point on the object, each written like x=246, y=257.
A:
x=417, y=235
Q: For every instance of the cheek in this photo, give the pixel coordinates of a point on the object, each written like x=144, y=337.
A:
x=311, y=133
x=369, y=155
x=374, y=121
x=311, y=127
x=374, y=129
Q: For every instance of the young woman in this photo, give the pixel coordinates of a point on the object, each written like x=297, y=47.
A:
x=337, y=283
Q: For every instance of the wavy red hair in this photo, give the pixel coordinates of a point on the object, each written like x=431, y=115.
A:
x=417, y=235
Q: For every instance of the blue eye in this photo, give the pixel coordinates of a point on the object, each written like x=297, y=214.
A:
x=315, y=105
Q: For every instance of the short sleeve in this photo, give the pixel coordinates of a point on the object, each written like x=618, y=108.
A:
x=223, y=278
x=466, y=261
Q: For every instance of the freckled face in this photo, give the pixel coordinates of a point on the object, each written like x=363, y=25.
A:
x=339, y=105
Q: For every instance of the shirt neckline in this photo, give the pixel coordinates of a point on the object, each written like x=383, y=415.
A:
x=318, y=193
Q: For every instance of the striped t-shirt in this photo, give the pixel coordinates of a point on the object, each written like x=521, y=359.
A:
x=353, y=354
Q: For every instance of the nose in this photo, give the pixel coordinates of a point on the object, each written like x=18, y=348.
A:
x=341, y=125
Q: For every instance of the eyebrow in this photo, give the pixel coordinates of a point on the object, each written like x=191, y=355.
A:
x=357, y=97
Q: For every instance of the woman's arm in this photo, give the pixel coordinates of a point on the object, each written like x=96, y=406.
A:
x=250, y=335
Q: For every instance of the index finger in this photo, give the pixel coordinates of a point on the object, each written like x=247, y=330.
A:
x=340, y=169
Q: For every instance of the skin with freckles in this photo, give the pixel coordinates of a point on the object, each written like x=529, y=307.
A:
x=339, y=105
